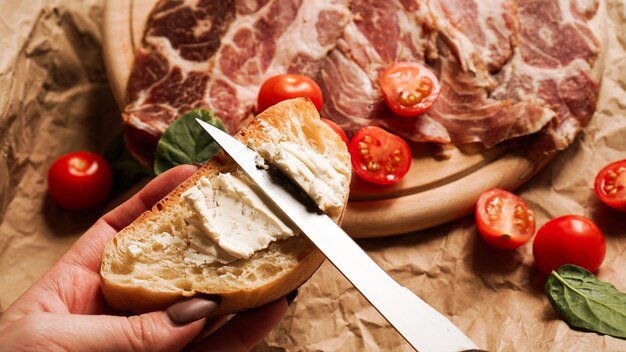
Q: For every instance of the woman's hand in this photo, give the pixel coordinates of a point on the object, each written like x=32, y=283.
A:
x=64, y=310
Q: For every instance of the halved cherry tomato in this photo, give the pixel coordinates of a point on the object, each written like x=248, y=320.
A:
x=80, y=180
x=503, y=219
x=379, y=156
x=282, y=87
x=569, y=239
x=337, y=129
x=610, y=185
x=409, y=88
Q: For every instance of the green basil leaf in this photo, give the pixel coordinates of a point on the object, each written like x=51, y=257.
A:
x=184, y=141
x=586, y=302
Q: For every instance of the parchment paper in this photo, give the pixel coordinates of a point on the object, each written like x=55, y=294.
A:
x=55, y=99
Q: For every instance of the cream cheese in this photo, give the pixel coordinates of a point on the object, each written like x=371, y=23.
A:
x=321, y=180
x=233, y=221
x=233, y=216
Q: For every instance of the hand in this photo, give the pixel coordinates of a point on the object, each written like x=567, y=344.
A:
x=64, y=310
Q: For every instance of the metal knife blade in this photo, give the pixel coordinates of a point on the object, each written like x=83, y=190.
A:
x=421, y=325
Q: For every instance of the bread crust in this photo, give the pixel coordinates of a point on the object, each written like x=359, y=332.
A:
x=142, y=297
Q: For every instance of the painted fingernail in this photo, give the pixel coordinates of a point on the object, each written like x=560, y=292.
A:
x=291, y=296
x=190, y=310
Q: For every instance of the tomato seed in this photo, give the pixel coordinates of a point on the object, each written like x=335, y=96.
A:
x=425, y=81
x=426, y=86
x=373, y=166
x=410, y=97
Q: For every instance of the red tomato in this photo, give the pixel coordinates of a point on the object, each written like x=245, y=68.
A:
x=610, y=185
x=379, y=156
x=80, y=180
x=409, y=88
x=283, y=87
x=503, y=219
x=569, y=239
x=337, y=129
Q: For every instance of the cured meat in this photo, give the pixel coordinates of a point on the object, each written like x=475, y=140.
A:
x=216, y=54
x=508, y=68
x=554, y=62
x=464, y=113
x=379, y=34
x=482, y=34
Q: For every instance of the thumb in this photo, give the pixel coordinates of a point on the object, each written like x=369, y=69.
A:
x=167, y=330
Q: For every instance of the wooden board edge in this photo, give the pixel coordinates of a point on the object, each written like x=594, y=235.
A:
x=118, y=51
x=436, y=206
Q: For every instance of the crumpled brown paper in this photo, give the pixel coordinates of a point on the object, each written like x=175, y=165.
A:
x=56, y=100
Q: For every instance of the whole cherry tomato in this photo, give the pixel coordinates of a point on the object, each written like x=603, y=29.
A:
x=409, y=88
x=379, y=156
x=503, y=219
x=610, y=185
x=80, y=180
x=282, y=87
x=337, y=129
x=569, y=239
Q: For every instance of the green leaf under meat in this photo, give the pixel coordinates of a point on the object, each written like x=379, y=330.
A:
x=186, y=142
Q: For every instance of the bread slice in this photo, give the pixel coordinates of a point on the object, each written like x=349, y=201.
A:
x=144, y=267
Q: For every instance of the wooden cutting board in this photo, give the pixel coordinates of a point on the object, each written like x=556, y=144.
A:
x=432, y=193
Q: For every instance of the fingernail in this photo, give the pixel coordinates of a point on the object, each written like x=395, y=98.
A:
x=291, y=296
x=196, y=164
x=190, y=310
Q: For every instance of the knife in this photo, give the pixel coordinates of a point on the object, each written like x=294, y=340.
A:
x=424, y=328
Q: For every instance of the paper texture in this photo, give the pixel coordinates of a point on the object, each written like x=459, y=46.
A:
x=56, y=99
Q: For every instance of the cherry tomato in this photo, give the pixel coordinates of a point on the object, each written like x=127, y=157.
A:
x=610, y=185
x=409, y=88
x=569, y=239
x=80, y=180
x=282, y=87
x=337, y=129
x=503, y=219
x=379, y=156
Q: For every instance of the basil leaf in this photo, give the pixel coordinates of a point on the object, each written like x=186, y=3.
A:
x=184, y=141
x=586, y=302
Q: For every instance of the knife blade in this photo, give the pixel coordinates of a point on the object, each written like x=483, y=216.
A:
x=423, y=327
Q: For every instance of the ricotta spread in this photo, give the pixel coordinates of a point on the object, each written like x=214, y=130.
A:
x=234, y=221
